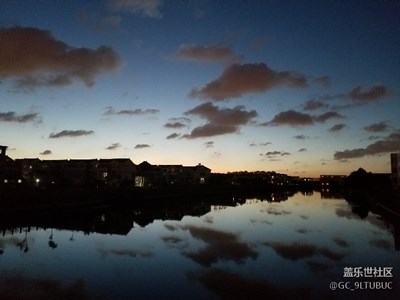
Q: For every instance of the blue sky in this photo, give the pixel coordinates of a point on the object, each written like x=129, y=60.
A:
x=300, y=87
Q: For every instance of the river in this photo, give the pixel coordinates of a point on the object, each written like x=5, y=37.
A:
x=288, y=246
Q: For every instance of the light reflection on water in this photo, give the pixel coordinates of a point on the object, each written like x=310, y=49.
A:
x=258, y=249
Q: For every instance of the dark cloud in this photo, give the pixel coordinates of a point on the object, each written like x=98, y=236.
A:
x=341, y=242
x=324, y=81
x=208, y=54
x=382, y=243
x=391, y=143
x=295, y=119
x=113, y=146
x=173, y=136
x=33, y=57
x=302, y=250
x=261, y=144
x=12, y=116
x=291, y=118
x=129, y=112
x=227, y=285
x=220, y=245
x=46, y=152
x=328, y=115
x=141, y=146
x=238, y=79
x=209, y=144
x=337, y=127
x=19, y=286
x=175, y=125
x=303, y=150
x=127, y=252
x=360, y=94
x=314, y=104
x=146, y=8
x=357, y=96
x=377, y=127
x=70, y=133
x=300, y=137
x=220, y=120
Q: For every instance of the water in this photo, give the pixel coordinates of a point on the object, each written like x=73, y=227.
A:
x=248, y=249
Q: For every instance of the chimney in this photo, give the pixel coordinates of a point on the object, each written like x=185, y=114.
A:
x=3, y=151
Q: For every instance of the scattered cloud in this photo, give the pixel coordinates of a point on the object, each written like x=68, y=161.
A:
x=301, y=137
x=46, y=152
x=324, y=81
x=295, y=119
x=173, y=136
x=174, y=125
x=314, y=104
x=220, y=245
x=303, y=150
x=109, y=111
x=207, y=54
x=108, y=22
x=274, y=154
x=360, y=94
x=220, y=120
x=377, y=127
x=114, y=146
x=238, y=79
x=141, y=146
x=301, y=250
x=12, y=116
x=261, y=144
x=146, y=8
x=391, y=143
x=337, y=127
x=70, y=133
x=33, y=58
x=209, y=144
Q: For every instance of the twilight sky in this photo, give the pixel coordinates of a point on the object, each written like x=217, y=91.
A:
x=298, y=87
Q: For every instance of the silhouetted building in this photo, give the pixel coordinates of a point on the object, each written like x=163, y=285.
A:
x=395, y=168
x=331, y=182
x=149, y=175
x=9, y=171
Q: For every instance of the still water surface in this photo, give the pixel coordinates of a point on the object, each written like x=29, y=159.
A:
x=256, y=249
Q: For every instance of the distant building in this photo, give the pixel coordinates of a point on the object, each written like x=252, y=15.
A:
x=329, y=182
x=148, y=175
x=9, y=171
x=395, y=168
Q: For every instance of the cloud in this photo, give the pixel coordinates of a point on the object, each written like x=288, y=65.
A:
x=220, y=245
x=377, y=127
x=113, y=146
x=207, y=54
x=209, y=144
x=324, y=81
x=300, y=137
x=301, y=250
x=173, y=136
x=391, y=143
x=175, y=125
x=303, y=150
x=24, y=118
x=238, y=79
x=46, y=152
x=141, y=146
x=314, y=104
x=70, y=133
x=109, y=111
x=33, y=58
x=359, y=94
x=220, y=120
x=337, y=127
x=295, y=119
x=147, y=8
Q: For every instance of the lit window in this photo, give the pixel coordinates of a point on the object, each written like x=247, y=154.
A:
x=5, y=180
x=105, y=174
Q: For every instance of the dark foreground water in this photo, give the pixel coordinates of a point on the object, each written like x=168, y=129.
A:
x=291, y=248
